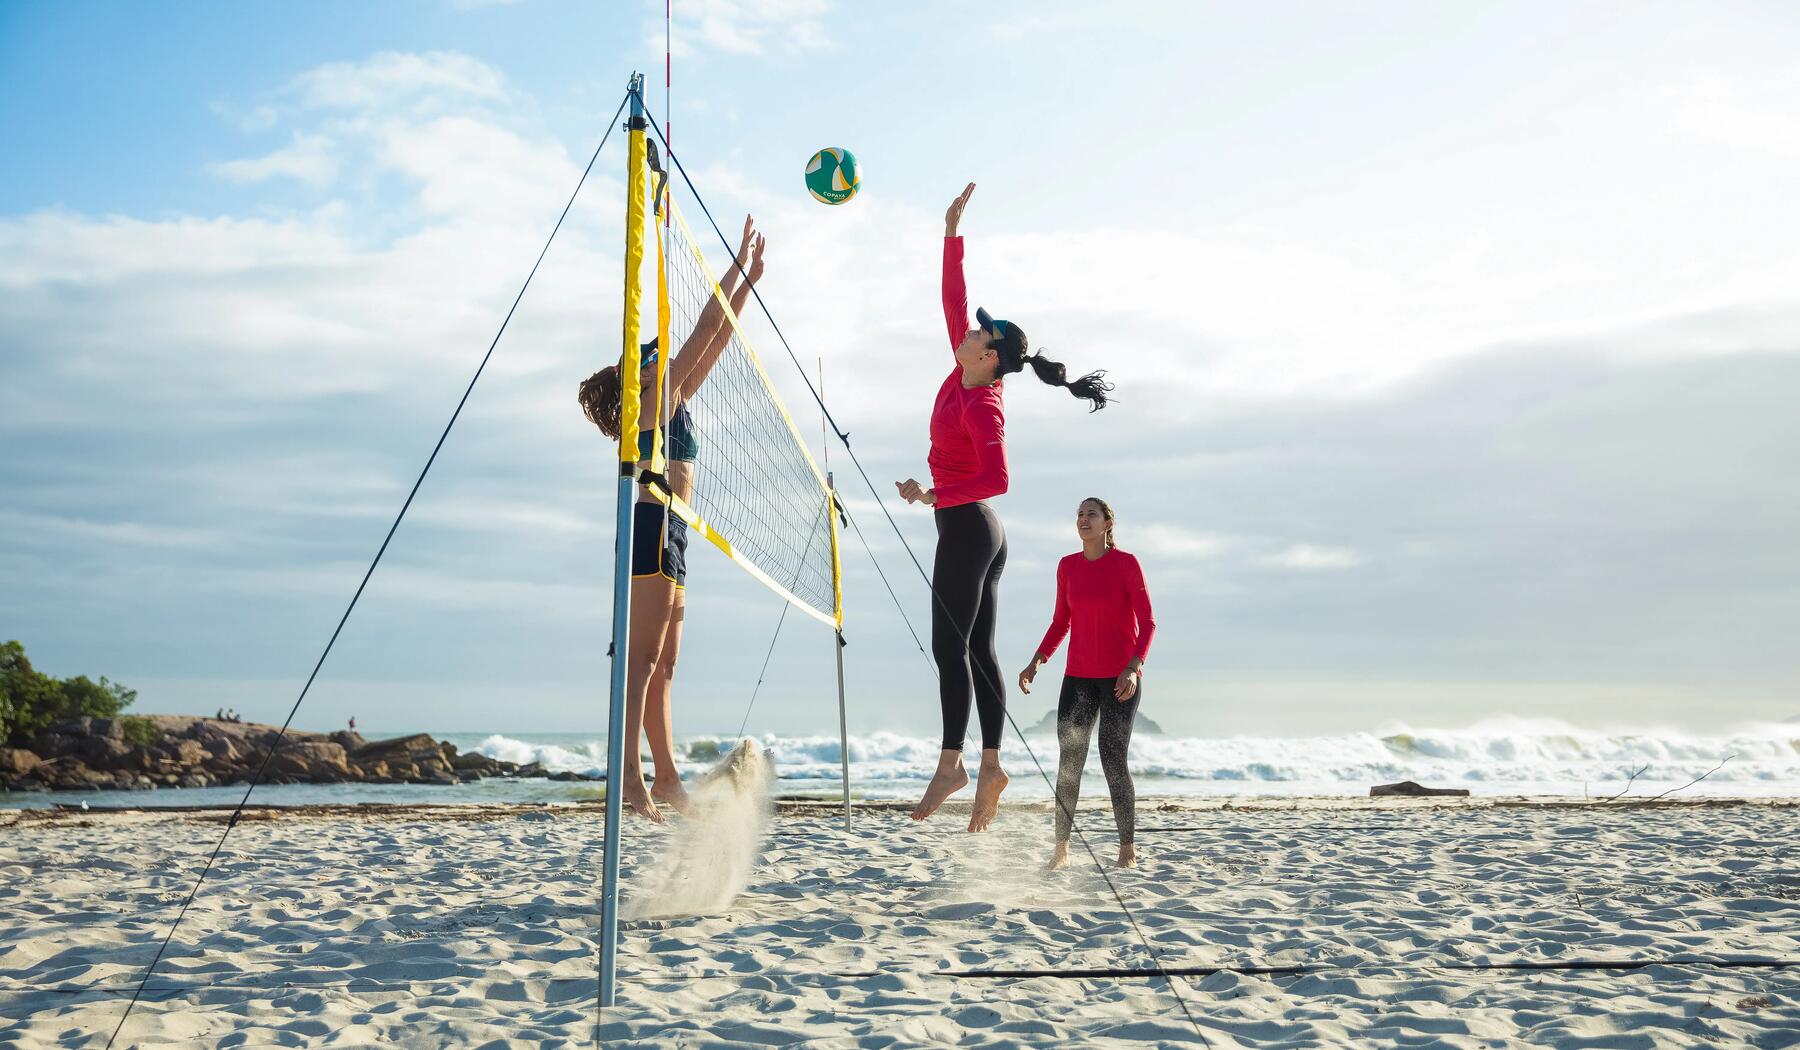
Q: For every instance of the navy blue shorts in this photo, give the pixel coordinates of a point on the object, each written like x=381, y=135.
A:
x=659, y=541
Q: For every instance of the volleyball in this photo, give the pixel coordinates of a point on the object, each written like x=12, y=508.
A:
x=832, y=176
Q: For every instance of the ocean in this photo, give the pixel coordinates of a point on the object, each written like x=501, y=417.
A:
x=1498, y=757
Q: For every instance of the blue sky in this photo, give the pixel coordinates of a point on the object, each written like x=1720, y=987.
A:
x=1455, y=344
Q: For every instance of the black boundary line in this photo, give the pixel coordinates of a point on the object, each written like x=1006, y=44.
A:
x=281, y=734
x=1024, y=973
x=844, y=437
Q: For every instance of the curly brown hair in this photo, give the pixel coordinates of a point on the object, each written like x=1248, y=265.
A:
x=599, y=399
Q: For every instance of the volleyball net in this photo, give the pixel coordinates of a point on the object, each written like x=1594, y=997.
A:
x=757, y=494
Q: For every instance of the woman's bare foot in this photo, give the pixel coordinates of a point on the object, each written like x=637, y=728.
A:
x=638, y=798
x=1060, y=858
x=669, y=792
x=1127, y=855
x=988, y=786
x=950, y=778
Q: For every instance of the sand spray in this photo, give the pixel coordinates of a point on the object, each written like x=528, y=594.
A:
x=711, y=852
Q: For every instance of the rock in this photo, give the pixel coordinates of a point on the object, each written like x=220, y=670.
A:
x=190, y=753
x=110, y=728
x=468, y=775
x=53, y=744
x=402, y=745
x=472, y=760
x=82, y=726
x=16, y=762
x=103, y=752
x=1142, y=724
x=226, y=749
x=317, y=761
x=531, y=769
x=1410, y=789
x=350, y=740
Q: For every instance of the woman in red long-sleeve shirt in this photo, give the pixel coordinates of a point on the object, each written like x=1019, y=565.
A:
x=1100, y=595
x=968, y=466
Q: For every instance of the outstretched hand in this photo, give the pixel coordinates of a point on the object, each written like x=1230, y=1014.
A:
x=953, y=217
x=756, y=257
x=747, y=243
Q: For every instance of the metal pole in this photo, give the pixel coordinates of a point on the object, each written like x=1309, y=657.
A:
x=621, y=633
x=831, y=512
x=843, y=728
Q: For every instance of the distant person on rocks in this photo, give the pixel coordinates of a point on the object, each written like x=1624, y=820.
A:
x=353, y=723
x=1103, y=604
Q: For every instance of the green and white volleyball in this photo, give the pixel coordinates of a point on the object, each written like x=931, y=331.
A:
x=832, y=176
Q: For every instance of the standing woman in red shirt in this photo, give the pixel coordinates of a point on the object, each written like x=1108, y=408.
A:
x=1100, y=593
x=968, y=466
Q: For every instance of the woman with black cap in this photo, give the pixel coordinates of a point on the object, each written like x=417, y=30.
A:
x=659, y=538
x=968, y=466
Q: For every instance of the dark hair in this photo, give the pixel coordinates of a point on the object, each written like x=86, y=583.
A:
x=1091, y=387
x=1106, y=510
x=599, y=399
x=1014, y=349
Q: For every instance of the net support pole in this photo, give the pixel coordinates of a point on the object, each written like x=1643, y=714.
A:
x=843, y=726
x=837, y=586
x=636, y=185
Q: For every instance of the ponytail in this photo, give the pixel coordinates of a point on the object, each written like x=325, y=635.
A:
x=1091, y=388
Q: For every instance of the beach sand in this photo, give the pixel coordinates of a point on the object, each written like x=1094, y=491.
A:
x=1341, y=922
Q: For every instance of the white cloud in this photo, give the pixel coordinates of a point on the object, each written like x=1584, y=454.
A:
x=308, y=158
x=1170, y=541
x=742, y=27
x=1307, y=557
x=389, y=77
x=1752, y=116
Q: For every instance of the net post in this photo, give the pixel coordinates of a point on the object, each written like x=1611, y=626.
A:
x=635, y=182
x=843, y=725
x=837, y=587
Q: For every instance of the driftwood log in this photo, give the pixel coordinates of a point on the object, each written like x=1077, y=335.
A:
x=1409, y=788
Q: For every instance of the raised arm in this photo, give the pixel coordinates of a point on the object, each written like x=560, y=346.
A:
x=956, y=291
x=712, y=331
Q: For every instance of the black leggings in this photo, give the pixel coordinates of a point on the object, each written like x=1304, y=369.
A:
x=971, y=555
x=1084, y=700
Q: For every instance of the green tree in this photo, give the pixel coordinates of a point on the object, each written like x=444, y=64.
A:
x=31, y=700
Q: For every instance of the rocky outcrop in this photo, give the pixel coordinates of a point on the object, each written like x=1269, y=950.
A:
x=91, y=754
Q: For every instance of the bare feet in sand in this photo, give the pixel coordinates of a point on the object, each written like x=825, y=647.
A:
x=638, y=798
x=950, y=778
x=672, y=795
x=991, y=782
x=1127, y=855
x=1060, y=858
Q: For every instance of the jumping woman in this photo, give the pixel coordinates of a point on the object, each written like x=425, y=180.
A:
x=659, y=538
x=1100, y=595
x=968, y=466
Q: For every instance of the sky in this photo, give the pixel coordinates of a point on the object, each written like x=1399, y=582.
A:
x=1455, y=347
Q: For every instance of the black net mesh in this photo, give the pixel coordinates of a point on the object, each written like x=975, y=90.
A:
x=755, y=483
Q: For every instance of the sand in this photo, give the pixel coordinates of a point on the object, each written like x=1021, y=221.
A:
x=1306, y=923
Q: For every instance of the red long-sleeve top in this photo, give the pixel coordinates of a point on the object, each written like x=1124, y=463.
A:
x=968, y=424
x=1108, y=607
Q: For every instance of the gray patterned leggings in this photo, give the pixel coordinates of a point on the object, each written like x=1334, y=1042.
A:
x=1085, y=700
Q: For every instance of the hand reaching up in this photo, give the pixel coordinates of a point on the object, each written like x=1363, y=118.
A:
x=953, y=217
